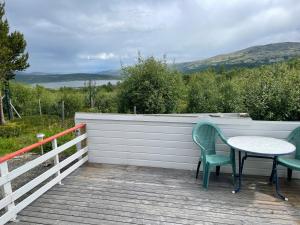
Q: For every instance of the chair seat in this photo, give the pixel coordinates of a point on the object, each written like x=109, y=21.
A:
x=290, y=163
x=218, y=159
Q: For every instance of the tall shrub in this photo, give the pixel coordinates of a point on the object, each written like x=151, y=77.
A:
x=150, y=86
x=203, y=93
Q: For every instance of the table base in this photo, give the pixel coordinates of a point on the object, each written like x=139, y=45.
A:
x=273, y=177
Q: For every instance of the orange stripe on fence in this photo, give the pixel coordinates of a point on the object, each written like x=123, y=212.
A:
x=35, y=145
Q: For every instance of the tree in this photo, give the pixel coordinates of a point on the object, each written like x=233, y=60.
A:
x=12, y=54
x=203, y=93
x=150, y=86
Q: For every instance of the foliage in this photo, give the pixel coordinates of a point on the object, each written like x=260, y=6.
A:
x=274, y=94
x=12, y=49
x=267, y=93
x=26, y=100
x=73, y=101
x=106, y=102
x=30, y=126
x=151, y=87
x=12, y=55
x=203, y=93
x=10, y=130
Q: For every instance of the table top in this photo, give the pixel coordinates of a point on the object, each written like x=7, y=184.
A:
x=261, y=145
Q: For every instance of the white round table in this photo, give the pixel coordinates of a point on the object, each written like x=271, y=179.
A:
x=260, y=147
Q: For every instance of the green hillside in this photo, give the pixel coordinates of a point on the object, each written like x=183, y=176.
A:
x=249, y=57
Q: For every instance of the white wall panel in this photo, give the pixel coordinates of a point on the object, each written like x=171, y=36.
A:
x=166, y=141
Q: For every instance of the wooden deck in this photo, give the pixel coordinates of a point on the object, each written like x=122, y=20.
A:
x=107, y=194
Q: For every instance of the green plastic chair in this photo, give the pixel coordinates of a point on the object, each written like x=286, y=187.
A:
x=292, y=163
x=205, y=135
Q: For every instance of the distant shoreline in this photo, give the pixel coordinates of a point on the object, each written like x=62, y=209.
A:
x=73, y=84
x=53, y=78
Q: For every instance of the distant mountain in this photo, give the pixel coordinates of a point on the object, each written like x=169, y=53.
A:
x=249, y=57
x=45, y=78
x=111, y=72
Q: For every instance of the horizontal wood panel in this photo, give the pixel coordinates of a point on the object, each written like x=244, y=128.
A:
x=179, y=135
x=145, y=156
x=153, y=142
x=147, y=149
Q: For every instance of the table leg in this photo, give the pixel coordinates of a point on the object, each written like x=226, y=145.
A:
x=271, y=179
x=277, y=180
x=238, y=188
x=243, y=161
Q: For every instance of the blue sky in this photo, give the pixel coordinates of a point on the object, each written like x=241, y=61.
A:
x=91, y=36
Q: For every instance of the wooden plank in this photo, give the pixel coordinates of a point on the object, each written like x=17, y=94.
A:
x=137, y=217
x=168, y=212
x=107, y=194
x=10, y=214
x=195, y=202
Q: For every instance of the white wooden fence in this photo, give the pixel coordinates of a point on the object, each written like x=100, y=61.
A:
x=166, y=141
x=55, y=173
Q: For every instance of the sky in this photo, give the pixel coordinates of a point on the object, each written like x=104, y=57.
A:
x=65, y=36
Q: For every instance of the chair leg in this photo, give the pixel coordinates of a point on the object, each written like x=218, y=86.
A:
x=206, y=176
x=289, y=174
x=198, y=168
x=218, y=170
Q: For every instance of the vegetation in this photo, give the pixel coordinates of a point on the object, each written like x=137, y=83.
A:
x=12, y=56
x=269, y=92
x=151, y=87
x=22, y=132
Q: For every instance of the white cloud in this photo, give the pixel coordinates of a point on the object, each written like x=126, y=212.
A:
x=98, y=56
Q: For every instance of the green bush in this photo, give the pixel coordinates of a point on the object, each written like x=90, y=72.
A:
x=272, y=93
x=267, y=93
x=106, y=102
x=73, y=102
x=203, y=93
x=10, y=129
x=151, y=87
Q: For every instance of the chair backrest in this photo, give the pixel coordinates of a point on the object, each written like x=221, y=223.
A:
x=205, y=135
x=294, y=138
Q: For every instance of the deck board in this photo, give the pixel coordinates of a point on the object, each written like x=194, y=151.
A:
x=110, y=194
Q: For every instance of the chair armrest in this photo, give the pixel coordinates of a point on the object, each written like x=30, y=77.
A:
x=223, y=138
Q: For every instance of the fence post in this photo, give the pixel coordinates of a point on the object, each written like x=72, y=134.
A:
x=83, y=143
x=63, y=112
x=7, y=101
x=6, y=188
x=79, y=144
x=40, y=107
x=56, y=158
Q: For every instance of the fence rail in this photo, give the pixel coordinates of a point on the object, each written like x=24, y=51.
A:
x=10, y=196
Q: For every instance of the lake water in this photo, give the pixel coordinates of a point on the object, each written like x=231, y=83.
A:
x=75, y=83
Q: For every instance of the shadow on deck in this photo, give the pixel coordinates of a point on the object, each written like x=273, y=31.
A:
x=110, y=194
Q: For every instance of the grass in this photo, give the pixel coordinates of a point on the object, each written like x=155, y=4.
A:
x=30, y=126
